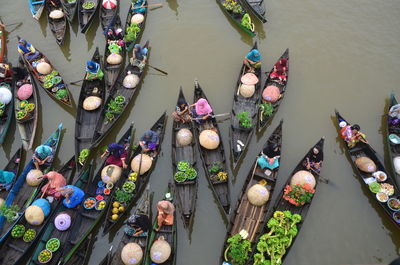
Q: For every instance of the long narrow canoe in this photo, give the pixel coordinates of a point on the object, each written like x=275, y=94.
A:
x=283, y=205
x=13, y=249
x=86, y=220
x=27, y=128
x=83, y=252
x=22, y=194
x=52, y=91
x=6, y=118
x=394, y=150
x=86, y=121
x=86, y=16
x=169, y=232
x=365, y=150
x=57, y=26
x=144, y=208
x=14, y=166
x=129, y=44
x=239, y=134
x=80, y=181
x=2, y=42
x=257, y=8
x=237, y=17
x=111, y=71
x=36, y=7
x=106, y=15
x=186, y=192
x=263, y=120
x=247, y=216
x=108, y=258
x=220, y=188
x=69, y=7
x=141, y=181
x=107, y=119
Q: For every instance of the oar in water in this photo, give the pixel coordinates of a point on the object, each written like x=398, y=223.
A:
x=75, y=82
x=155, y=68
x=213, y=116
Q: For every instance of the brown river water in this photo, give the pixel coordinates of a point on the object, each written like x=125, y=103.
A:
x=343, y=54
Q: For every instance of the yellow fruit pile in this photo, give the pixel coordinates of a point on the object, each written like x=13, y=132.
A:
x=117, y=209
x=133, y=176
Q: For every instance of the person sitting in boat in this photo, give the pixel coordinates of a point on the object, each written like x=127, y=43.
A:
x=21, y=74
x=5, y=72
x=394, y=115
x=253, y=59
x=55, y=181
x=117, y=155
x=351, y=134
x=73, y=195
x=137, y=225
x=314, y=161
x=149, y=141
x=165, y=214
x=27, y=49
x=138, y=6
x=279, y=74
x=6, y=179
x=270, y=157
x=114, y=35
x=182, y=113
x=93, y=71
x=202, y=110
x=139, y=56
x=43, y=156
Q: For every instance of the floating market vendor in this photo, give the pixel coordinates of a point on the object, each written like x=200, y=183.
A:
x=55, y=181
x=165, y=214
x=73, y=195
x=27, y=50
x=93, y=71
x=117, y=155
x=394, y=114
x=43, y=156
x=351, y=134
x=149, y=141
x=5, y=72
x=280, y=71
x=270, y=157
x=314, y=161
x=139, y=56
x=202, y=110
x=138, y=6
x=253, y=59
x=137, y=225
x=182, y=112
x=6, y=179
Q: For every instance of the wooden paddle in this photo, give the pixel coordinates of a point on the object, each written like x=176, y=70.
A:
x=213, y=116
x=155, y=68
x=75, y=82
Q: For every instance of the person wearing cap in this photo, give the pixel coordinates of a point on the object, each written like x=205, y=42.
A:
x=137, y=225
x=73, y=195
x=117, y=155
x=165, y=214
x=149, y=141
x=93, y=71
x=55, y=181
x=139, y=56
x=270, y=157
x=202, y=110
x=43, y=156
x=27, y=49
x=138, y=6
x=253, y=59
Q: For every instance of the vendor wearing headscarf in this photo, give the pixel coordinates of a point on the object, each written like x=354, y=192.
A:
x=149, y=141
x=5, y=72
x=253, y=59
x=165, y=214
x=55, y=181
x=137, y=225
x=139, y=56
x=117, y=155
x=202, y=110
x=138, y=6
x=313, y=162
x=6, y=179
x=394, y=114
x=93, y=71
x=73, y=195
x=182, y=113
x=270, y=157
x=43, y=156
x=279, y=74
x=27, y=49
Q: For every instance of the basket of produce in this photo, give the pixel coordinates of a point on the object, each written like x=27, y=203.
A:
x=53, y=244
x=45, y=256
x=183, y=166
x=375, y=187
x=133, y=176
x=29, y=235
x=379, y=176
x=117, y=209
x=48, y=84
x=22, y=115
x=180, y=176
x=18, y=231
x=88, y=5
x=89, y=203
x=100, y=184
x=387, y=188
x=191, y=174
x=56, y=80
x=394, y=204
x=30, y=107
x=382, y=196
x=22, y=104
x=129, y=186
x=100, y=205
x=100, y=190
x=99, y=198
x=107, y=191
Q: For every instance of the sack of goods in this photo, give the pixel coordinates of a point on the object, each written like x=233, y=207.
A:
x=5, y=95
x=144, y=165
x=258, y=195
x=56, y=14
x=114, y=59
x=396, y=163
x=365, y=164
x=271, y=94
x=25, y=91
x=92, y=103
x=131, y=80
x=34, y=177
x=132, y=254
x=37, y=212
x=44, y=68
x=111, y=173
x=160, y=251
x=137, y=19
x=62, y=221
x=247, y=91
x=303, y=177
x=249, y=79
x=184, y=137
x=209, y=139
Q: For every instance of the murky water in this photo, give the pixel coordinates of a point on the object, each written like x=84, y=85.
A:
x=343, y=54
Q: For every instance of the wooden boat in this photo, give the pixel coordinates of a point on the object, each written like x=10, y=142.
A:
x=169, y=232
x=69, y=7
x=27, y=128
x=239, y=134
x=111, y=71
x=86, y=220
x=107, y=259
x=143, y=208
x=129, y=44
x=106, y=15
x=365, y=150
x=283, y=205
x=7, y=116
x=257, y=8
x=86, y=16
x=86, y=121
x=52, y=91
x=141, y=181
x=237, y=17
x=220, y=188
x=57, y=26
x=15, y=249
x=80, y=181
x=36, y=7
x=14, y=165
x=83, y=252
x=107, y=119
x=263, y=121
x=394, y=150
x=246, y=215
x=186, y=192
x=3, y=41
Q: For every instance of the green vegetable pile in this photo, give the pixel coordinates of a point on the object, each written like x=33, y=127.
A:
x=237, y=252
x=51, y=79
x=183, y=166
x=215, y=167
x=44, y=256
x=375, y=187
x=191, y=173
x=18, y=231
x=114, y=107
x=246, y=22
x=10, y=213
x=1, y=112
x=83, y=155
x=120, y=99
x=266, y=110
x=53, y=244
x=232, y=5
x=180, y=176
x=21, y=114
x=56, y=80
x=245, y=120
x=29, y=235
x=30, y=107
x=272, y=246
x=131, y=32
x=62, y=94
x=122, y=196
x=88, y=5
x=185, y=172
x=129, y=186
